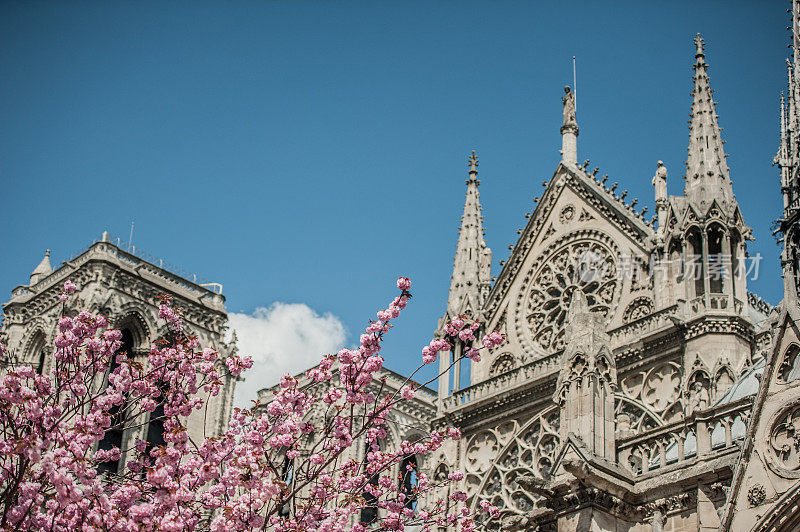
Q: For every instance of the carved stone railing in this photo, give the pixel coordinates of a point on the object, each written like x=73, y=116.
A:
x=504, y=382
x=713, y=431
x=700, y=304
x=759, y=304
x=637, y=329
x=139, y=264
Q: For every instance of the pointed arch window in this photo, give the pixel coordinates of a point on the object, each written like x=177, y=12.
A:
x=287, y=475
x=717, y=262
x=37, y=352
x=409, y=479
x=115, y=432
x=369, y=512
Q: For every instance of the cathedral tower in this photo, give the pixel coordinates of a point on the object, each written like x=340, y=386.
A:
x=125, y=289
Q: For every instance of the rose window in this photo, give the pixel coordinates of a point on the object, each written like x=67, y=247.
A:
x=585, y=264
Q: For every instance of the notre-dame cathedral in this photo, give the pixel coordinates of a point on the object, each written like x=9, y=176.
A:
x=641, y=387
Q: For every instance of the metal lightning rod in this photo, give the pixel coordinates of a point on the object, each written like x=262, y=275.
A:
x=574, y=85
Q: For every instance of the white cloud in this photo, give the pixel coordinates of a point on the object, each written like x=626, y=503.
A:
x=284, y=338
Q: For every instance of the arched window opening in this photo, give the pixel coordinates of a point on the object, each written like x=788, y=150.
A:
x=723, y=381
x=369, y=512
x=115, y=432
x=789, y=369
x=409, y=479
x=675, y=262
x=694, y=264
x=37, y=352
x=155, y=427
x=287, y=475
x=717, y=261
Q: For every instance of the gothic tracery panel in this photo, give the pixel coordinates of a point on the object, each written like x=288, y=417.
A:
x=783, y=454
x=503, y=363
x=531, y=451
x=657, y=388
x=638, y=308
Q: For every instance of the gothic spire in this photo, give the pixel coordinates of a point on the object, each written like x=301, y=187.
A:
x=707, y=176
x=42, y=270
x=469, y=284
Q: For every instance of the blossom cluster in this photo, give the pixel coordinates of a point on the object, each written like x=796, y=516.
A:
x=286, y=465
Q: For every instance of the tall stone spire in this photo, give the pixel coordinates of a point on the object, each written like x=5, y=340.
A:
x=707, y=176
x=42, y=270
x=469, y=284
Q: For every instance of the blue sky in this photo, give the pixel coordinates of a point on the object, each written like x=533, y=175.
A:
x=306, y=153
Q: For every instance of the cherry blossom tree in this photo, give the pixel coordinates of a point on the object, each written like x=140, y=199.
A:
x=51, y=468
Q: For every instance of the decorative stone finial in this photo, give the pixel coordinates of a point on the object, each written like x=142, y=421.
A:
x=699, y=43
x=472, y=161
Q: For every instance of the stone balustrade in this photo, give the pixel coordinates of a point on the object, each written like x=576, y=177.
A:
x=504, y=382
x=716, y=430
x=110, y=250
x=637, y=329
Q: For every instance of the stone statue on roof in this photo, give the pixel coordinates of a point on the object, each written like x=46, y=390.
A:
x=660, y=182
x=569, y=107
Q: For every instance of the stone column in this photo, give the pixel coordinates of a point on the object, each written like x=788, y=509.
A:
x=457, y=351
x=569, y=145
x=444, y=379
x=728, y=282
x=704, y=273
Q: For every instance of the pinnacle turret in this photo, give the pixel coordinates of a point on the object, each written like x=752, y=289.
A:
x=707, y=175
x=469, y=284
x=42, y=270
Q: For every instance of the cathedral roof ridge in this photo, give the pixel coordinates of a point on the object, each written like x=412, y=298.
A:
x=611, y=192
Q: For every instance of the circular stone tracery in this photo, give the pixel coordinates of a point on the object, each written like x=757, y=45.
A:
x=531, y=451
x=584, y=263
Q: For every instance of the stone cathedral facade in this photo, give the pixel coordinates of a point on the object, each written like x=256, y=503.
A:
x=125, y=288
x=642, y=386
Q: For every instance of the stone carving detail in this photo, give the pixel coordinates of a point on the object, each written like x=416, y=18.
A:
x=662, y=387
x=530, y=452
x=481, y=450
x=503, y=363
x=566, y=215
x=789, y=369
x=723, y=381
x=657, y=389
x=583, y=263
x=638, y=308
x=585, y=216
x=784, y=442
x=633, y=417
x=569, y=107
x=756, y=495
